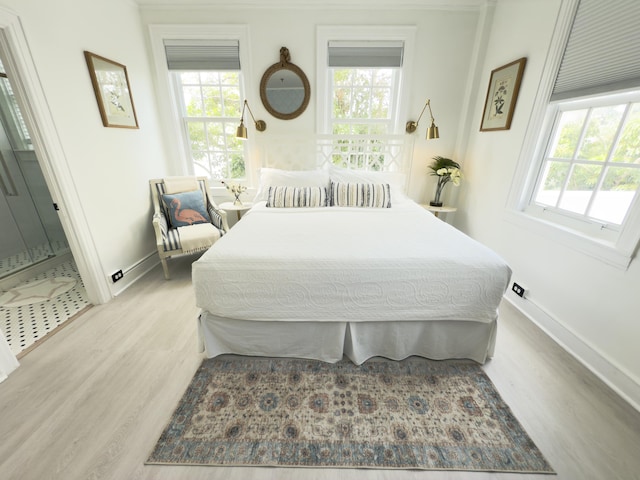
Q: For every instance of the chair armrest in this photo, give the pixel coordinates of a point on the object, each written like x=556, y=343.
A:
x=218, y=217
x=160, y=227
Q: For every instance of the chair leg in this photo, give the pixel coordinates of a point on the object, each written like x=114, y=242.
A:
x=165, y=267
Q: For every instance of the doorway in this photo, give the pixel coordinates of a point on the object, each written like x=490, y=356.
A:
x=40, y=287
x=31, y=230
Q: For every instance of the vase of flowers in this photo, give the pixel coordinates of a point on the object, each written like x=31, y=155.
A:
x=447, y=171
x=236, y=189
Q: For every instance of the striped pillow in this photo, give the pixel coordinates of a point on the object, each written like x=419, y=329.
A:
x=374, y=195
x=285, y=197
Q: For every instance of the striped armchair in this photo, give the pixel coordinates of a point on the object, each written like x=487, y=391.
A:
x=167, y=238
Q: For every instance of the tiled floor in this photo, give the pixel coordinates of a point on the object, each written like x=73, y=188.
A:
x=34, y=255
x=23, y=326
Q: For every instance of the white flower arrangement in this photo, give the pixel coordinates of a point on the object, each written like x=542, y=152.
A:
x=236, y=189
x=447, y=171
x=452, y=173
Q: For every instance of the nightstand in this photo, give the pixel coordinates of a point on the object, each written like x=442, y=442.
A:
x=438, y=210
x=239, y=209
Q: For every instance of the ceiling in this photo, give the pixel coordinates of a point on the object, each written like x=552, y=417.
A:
x=342, y=4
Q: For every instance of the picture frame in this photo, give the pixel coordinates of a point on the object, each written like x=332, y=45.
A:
x=113, y=92
x=502, y=94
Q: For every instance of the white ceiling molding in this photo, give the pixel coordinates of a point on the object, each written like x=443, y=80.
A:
x=324, y=4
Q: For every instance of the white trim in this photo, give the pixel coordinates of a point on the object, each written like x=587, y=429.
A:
x=51, y=156
x=167, y=105
x=613, y=375
x=325, y=33
x=444, y=5
x=570, y=238
x=476, y=73
x=530, y=145
x=133, y=273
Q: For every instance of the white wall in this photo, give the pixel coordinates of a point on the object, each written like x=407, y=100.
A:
x=109, y=167
x=443, y=52
x=587, y=305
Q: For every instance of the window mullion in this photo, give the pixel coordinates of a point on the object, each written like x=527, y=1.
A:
x=371, y=90
x=621, y=125
x=583, y=133
x=607, y=161
x=603, y=172
x=223, y=105
x=574, y=158
x=565, y=184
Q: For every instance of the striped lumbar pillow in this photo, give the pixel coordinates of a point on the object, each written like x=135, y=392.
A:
x=285, y=197
x=376, y=195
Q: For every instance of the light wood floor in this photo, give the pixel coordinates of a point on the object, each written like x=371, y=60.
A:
x=91, y=401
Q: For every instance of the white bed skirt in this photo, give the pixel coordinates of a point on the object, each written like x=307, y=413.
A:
x=359, y=341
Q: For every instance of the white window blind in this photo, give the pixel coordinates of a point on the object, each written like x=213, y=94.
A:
x=602, y=51
x=365, y=54
x=199, y=55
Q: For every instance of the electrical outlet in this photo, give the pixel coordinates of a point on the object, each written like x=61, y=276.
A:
x=117, y=276
x=518, y=289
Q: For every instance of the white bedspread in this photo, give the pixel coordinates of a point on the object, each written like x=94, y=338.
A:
x=349, y=264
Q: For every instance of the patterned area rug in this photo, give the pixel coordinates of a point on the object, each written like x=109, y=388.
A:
x=412, y=414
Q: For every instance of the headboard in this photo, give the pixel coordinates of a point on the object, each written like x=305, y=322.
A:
x=385, y=153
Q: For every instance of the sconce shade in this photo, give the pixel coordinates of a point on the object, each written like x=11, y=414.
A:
x=241, y=131
x=433, y=132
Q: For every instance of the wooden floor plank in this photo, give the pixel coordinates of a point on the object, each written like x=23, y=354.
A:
x=90, y=402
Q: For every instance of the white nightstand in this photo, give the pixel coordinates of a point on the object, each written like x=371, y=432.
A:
x=239, y=209
x=438, y=210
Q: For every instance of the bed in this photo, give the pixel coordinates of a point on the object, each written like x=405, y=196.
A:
x=322, y=282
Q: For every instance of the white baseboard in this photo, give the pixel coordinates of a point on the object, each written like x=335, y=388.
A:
x=614, y=376
x=133, y=273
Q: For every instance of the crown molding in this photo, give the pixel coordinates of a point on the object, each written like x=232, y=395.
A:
x=314, y=4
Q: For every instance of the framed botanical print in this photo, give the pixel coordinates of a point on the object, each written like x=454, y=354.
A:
x=502, y=94
x=113, y=92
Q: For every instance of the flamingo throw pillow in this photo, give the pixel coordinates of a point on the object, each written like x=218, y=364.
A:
x=186, y=208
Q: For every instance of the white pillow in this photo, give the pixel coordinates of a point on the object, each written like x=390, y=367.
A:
x=396, y=180
x=273, y=177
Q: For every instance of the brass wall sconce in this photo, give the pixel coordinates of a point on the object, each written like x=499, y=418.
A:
x=241, y=131
x=432, y=131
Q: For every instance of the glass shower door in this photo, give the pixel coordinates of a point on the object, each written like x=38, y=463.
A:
x=30, y=230
x=23, y=241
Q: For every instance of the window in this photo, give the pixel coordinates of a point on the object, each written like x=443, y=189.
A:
x=208, y=85
x=364, y=86
x=591, y=169
x=363, y=100
x=579, y=171
x=360, y=72
x=210, y=105
x=203, y=73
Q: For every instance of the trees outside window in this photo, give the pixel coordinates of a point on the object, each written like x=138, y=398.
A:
x=211, y=104
x=363, y=100
x=591, y=168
